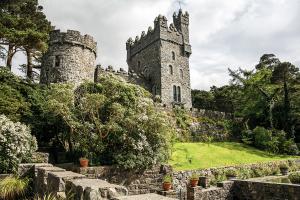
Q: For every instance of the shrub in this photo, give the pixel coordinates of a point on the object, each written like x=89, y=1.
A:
x=294, y=177
x=290, y=147
x=231, y=173
x=13, y=188
x=16, y=144
x=262, y=137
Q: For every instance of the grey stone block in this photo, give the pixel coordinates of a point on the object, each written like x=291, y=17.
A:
x=94, y=189
x=151, y=196
x=56, y=180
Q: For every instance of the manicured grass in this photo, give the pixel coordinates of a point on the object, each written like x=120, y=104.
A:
x=188, y=156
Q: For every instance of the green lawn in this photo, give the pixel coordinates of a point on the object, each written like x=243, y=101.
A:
x=216, y=154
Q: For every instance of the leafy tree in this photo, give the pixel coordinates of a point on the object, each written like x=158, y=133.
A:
x=203, y=99
x=23, y=27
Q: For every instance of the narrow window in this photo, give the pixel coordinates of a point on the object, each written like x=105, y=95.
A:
x=171, y=69
x=181, y=73
x=139, y=64
x=174, y=93
x=178, y=94
x=57, y=61
x=173, y=55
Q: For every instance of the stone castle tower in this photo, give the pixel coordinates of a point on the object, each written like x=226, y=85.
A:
x=70, y=58
x=161, y=57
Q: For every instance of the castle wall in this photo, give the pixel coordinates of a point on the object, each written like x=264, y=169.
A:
x=149, y=68
x=70, y=58
x=154, y=53
x=168, y=81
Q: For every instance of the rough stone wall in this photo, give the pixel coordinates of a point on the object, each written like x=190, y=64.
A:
x=151, y=55
x=256, y=190
x=70, y=58
x=224, y=191
x=176, y=79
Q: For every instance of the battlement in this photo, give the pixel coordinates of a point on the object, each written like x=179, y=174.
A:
x=74, y=38
x=181, y=17
x=161, y=30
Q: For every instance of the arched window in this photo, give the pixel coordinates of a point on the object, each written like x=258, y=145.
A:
x=178, y=94
x=171, y=69
x=181, y=73
x=174, y=93
x=139, y=64
x=173, y=55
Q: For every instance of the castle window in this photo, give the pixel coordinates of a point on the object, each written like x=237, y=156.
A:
x=139, y=64
x=174, y=93
x=181, y=73
x=173, y=55
x=171, y=69
x=57, y=61
x=178, y=94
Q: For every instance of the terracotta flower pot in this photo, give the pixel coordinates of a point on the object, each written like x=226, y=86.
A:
x=194, y=182
x=167, y=186
x=84, y=162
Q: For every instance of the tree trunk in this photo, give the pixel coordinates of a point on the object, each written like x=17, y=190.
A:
x=29, y=64
x=10, y=53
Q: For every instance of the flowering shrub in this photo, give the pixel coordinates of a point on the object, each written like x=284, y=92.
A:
x=16, y=144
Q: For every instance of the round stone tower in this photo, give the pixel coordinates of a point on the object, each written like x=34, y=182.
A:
x=70, y=58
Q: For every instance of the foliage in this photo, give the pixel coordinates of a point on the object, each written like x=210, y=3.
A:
x=194, y=176
x=24, y=28
x=294, y=177
x=184, y=120
x=283, y=166
x=113, y=121
x=16, y=144
x=167, y=178
x=231, y=173
x=13, y=188
x=218, y=154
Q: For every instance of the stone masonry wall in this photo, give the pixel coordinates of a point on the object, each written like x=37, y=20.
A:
x=70, y=58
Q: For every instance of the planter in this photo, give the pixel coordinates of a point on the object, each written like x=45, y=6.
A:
x=284, y=171
x=204, y=181
x=194, y=182
x=84, y=162
x=167, y=186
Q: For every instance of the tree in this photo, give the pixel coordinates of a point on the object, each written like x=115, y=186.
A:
x=288, y=76
x=203, y=99
x=24, y=27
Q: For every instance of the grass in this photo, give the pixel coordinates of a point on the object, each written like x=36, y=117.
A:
x=188, y=156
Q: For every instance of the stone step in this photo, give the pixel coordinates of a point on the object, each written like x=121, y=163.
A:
x=151, y=196
x=56, y=180
x=94, y=189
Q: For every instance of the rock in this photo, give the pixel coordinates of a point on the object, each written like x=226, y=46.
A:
x=94, y=189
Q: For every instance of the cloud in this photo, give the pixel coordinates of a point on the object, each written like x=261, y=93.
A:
x=231, y=33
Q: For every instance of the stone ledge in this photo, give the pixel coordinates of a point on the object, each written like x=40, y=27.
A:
x=87, y=189
x=151, y=196
x=56, y=180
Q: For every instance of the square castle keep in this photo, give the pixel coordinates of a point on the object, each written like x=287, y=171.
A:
x=157, y=60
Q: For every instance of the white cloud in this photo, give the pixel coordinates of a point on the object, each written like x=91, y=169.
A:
x=224, y=33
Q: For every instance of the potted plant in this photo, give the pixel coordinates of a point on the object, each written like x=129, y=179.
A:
x=284, y=168
x=204, y=181
x=294, y=177
x=194, y=180
x=167, y=182
x=231, y=174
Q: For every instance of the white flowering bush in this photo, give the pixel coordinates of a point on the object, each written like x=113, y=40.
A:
x=16, y=144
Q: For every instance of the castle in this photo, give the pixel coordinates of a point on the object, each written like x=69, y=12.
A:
x=158, y=60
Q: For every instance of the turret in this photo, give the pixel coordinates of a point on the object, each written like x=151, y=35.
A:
x=181, y=22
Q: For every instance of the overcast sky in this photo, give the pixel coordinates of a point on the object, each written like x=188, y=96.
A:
x=223, y=33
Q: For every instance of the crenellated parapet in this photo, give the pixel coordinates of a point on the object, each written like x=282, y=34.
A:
x=161, y=30
x=74, y=38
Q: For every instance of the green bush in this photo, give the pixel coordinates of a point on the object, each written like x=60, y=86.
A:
x=16, y=144
x=111, y=122
x=262, y=138
x=294, y=177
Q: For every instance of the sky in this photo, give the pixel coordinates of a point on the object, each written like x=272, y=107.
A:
x=223, y=33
